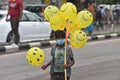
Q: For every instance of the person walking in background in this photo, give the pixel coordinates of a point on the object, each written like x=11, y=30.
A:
x=90, y=28
x=107, y=18
x=100, y=15
x=57, y=61
x=15, y=9
x=91, y=8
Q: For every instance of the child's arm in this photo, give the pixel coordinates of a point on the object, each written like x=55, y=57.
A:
x=46, y=65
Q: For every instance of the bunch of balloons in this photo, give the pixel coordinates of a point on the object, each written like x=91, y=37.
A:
x=67, y=14
x=65, y=17
x=35, y=56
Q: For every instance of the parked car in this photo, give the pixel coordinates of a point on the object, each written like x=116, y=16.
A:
x=36, y=8
x=31, y=28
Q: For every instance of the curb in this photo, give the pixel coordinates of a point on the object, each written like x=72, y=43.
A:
x=43, y=44
x=101, y=37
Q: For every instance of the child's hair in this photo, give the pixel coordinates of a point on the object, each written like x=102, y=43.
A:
x=59, y=34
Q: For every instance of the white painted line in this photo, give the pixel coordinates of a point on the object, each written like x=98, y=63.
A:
x=89, y=38
x=52, y=42
x=35, y=44
x=11, y=48
x=101, y=36
x=114, y=35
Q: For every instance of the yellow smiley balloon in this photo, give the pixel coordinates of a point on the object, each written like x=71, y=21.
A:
x=50, y=11
x=78, y=39
x=84, y=19
x=35, y=56
x=73, y=27
x=56, y=23
x=68, y=11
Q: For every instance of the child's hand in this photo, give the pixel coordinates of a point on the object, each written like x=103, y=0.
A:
x=66, y=66
x=44, y=67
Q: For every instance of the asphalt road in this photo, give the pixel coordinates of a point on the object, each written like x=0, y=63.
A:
x=98, y=60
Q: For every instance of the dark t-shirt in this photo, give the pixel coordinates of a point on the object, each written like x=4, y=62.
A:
x=69, y=57
x=98, y=14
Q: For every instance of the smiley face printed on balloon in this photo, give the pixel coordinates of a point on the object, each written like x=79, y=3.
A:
x=50, y=11
x=68, y=6
x=68, y=11
x=84, y=19
x=78, y=39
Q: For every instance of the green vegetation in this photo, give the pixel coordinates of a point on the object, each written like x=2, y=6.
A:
x=109, y=1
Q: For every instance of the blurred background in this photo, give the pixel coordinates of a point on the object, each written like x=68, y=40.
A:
x=79, y=3
x=111, y=8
